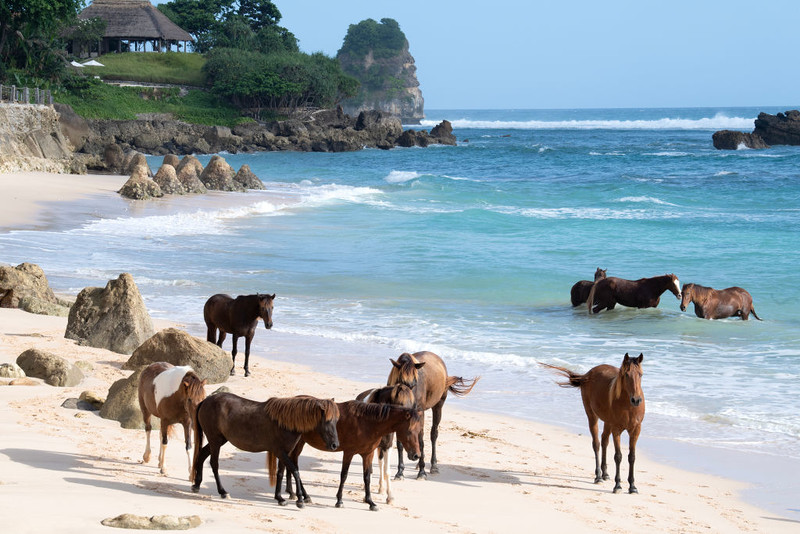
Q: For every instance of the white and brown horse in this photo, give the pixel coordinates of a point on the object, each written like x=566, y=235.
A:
x=172, y=394
x=710, y=303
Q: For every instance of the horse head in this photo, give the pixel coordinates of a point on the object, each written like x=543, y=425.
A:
x=599, y=274
x=406, y=370
x=265, y=304
x=675, y=286
x=630, y=379
x=410, y=433
x=329, y=417
x=687, y=293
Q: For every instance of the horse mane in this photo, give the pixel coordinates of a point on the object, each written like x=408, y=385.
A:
x=407, y=373
x=371, y=410
x=301, y=413
x=195, y=388
x=615, y=391
x=397, y=394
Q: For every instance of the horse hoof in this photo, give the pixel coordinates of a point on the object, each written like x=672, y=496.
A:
x=434, y=470
x=301, y=504
x=282, y=503
x=339, y=504
x=598, y=480
x=399, y=477
x=606, y=477
x=373, y=508
x=617, y=489
x=422, y=475
x=233, y=372
x=389, y=500
x=195, y=489
x=247, y=373
x=307, y=500
x=223, y=495
x=633, y=490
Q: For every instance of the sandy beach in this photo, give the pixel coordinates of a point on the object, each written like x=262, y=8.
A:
x=67, y=470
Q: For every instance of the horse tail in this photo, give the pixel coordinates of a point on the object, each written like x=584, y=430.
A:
x=590, y=298
x=574, y=380
x=753, y=311
x=272, y=467
x=460, y=387
x=198, y=439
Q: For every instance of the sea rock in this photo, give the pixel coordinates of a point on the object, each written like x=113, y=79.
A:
x=156, y=522
x=247, y=178
x=379, y=125
x=122, y=403
x=113, y=318
x=218, y=175
x=780, y=129
x=11, y=370
x=140, y=186
x=167, y=180
x=77, y=404
x=172, y=159
x=25, y=286
x=73, y=126
x=114, y=158
x=190, y=161
x=138, y=160
x=442, y=133
x=410, y=138
x=53, y=369
x=733, y=140
x=188, y=178
x=177, y=347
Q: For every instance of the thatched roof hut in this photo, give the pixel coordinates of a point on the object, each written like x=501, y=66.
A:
x=135, y=22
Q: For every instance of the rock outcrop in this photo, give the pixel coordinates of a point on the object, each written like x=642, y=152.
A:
x=179, y=348
x=218, y=176
x=31, y=139
x=122, y=403
x=25, y=286
x=734, y=140
x=247, y=178
x=780, y=129
x=167, y=180
x=53, y=369
x=140, y=186
x=113, y=318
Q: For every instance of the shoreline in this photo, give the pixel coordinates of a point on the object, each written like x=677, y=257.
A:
x=579, y=457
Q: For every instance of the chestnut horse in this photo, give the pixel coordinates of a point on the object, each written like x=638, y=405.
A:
x=615, y=397
x=426, y=374
x=171, y=394
x=238, y=317
x=361, y=427
x=642, y=293
x=273, y=426
x=710, y=303
x=580, y=291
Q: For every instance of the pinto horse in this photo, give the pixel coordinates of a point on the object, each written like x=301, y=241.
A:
x=361, y=427
x=426, y=374
x=615, y=397
x=274, y=426
x=642, y=293
x=580, y=291
x=710, y=303
x=238, y=317
x=171, y=394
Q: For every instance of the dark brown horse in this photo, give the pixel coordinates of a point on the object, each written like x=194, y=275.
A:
x=615, y=397
x=238, y=317
x=426, y=374
x=171, y=394
x=580, y=291
x=710, y=303
x=273, y=426
x=361, y=427
x=641, y=293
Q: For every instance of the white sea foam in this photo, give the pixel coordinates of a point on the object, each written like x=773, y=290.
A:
x=399, y=177
x=718, y=122
x=651, y=200
x=724, y=173
x=613, y=153
x=667, y=154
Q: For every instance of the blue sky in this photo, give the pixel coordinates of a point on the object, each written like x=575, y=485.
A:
x=580, y=53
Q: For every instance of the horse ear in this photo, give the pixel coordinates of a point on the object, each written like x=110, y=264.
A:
x=626, y=359
x=273, y=296
x=203, y=383
x=397, y=365
x=640, y=358
x=419, y=365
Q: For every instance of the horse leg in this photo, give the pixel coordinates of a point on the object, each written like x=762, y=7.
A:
x=437, y=417
x=247, y=339
x=383, y=466
x=298, y=483
x=593, y=430
x=162, y=452
x=187, y=436
x=147, y=428
x=633, y=437
x=617, y=461
x=279, y=481
x=205, y=451
x=421, y=463
x=366, y=461
x=400, y=465
x=215, y=447
x=346, y=459
x=603, y=465
x=234, y=351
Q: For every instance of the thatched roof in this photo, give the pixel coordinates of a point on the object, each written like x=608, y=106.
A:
x=134, y=19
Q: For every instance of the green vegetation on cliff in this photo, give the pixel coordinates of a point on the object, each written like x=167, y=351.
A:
x=365, y=45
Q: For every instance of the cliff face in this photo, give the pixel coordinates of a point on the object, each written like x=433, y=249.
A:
x=387, y=84
x=31, y=139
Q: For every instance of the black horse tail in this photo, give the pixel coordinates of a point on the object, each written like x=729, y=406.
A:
x=590, y=298
x=753, y=311
x=574, y=380
x=198, y=440
x=460, y=387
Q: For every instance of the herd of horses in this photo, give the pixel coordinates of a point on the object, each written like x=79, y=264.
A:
x=417, y=382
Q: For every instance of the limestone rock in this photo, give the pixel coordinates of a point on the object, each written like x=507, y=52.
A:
x=53, y=369
x=218, y=175
x=177, y=347
x=24, y=381
x=140, y=186
x=167, y=180
x=77, y=404
x=25, y=286
x=73, y=126
x=138, y=160
x=157, y=522
x=190, y=161
x=188, y=178
x=122, y=403
x=113, y=157
x=113, y=318
x=171, y=159
x=247, y=178
x=11, y=370
x=442, y=133
x=733, y=140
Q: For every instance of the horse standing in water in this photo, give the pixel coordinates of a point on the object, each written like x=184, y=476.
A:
x=171, y=394
x=238, y=317
x=426, y=374
x=615, y=397
x=361, y=427
x=580, y=291
x=273, y=426
x=642, y=293
x=710, y=303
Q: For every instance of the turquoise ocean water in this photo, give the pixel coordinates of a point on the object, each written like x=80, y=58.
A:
x=470, y=251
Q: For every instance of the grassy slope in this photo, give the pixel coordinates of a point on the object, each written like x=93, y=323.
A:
x=170, y=67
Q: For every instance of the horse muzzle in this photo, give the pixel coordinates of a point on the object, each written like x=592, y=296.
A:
x=333, y=446
x=636, y=401
x=683, y=308
x=268, y=325
x=413, y=456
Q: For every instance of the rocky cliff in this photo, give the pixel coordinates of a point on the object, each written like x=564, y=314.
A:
x=31, y=139
x=779, y=129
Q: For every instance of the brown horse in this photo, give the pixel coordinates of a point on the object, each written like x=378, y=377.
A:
x=171, y=394
x=615, y=397
x=273, y=426
x=397, y=395
x=580, y=291
x=710, y=303
x=238, y=317
x=361, y=427
x=642, y=293
x=426, y=374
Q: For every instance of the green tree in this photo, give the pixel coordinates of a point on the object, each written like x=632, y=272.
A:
x=198, y=17
x=383, y=39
